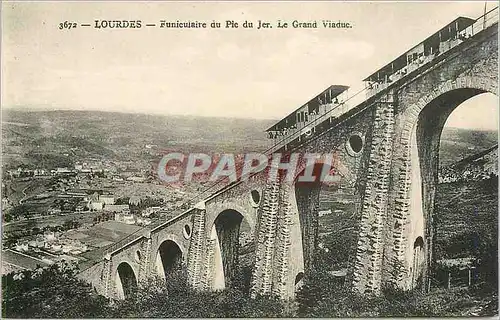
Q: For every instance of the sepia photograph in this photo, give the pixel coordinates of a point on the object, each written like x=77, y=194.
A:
x=249, y=159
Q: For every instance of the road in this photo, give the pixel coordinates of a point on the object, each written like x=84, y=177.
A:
x=24, y=193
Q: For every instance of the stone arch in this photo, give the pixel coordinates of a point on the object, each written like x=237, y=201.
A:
x=306, y=195
x=223, y=248
x=170, y=237
x=338, y=197
x=299, y=280
x=219, y=207
x=418, y=259
x=462, y=82
x=169, y=258
x=418, y=151
x=125, y=280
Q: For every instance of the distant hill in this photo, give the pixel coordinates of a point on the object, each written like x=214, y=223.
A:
x=64, y=136
x=59, y=138
x=458, y=144
x=479, y=166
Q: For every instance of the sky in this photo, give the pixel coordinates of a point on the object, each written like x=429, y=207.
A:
x=244, y=73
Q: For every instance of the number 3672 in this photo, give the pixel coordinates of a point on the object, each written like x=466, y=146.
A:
x=67, y=25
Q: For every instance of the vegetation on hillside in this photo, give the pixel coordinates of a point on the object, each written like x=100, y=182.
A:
x=464, y=226
x=60, y=138
x=322, y=296
x=53, y=292
x=56, y=292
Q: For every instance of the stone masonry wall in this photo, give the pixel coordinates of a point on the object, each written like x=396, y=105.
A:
x=197, y=246
x=283, y=243
x=262, y=278
x=369, y=253
x=472, y=65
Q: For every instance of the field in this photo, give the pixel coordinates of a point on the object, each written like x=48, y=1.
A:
x=53, y=220
x=457, y=144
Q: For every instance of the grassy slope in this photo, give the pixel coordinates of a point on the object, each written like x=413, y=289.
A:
x=465, y=214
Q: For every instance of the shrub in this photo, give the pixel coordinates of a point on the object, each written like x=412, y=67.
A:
x=52, y=292
x=158, y=298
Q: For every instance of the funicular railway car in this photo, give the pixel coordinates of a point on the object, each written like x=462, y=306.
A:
x=310, y=117
x=318, y=113
x=443, y=40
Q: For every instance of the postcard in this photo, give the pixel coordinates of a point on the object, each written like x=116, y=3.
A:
x=272, y=159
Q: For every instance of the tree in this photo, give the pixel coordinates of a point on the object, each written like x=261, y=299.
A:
x=20, y=210
x=123, y=200
x=7, y=217
x=174, y=298
x=52, y=292
x=71, y=224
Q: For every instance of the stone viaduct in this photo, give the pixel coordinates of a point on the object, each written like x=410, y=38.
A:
x=389, y=147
